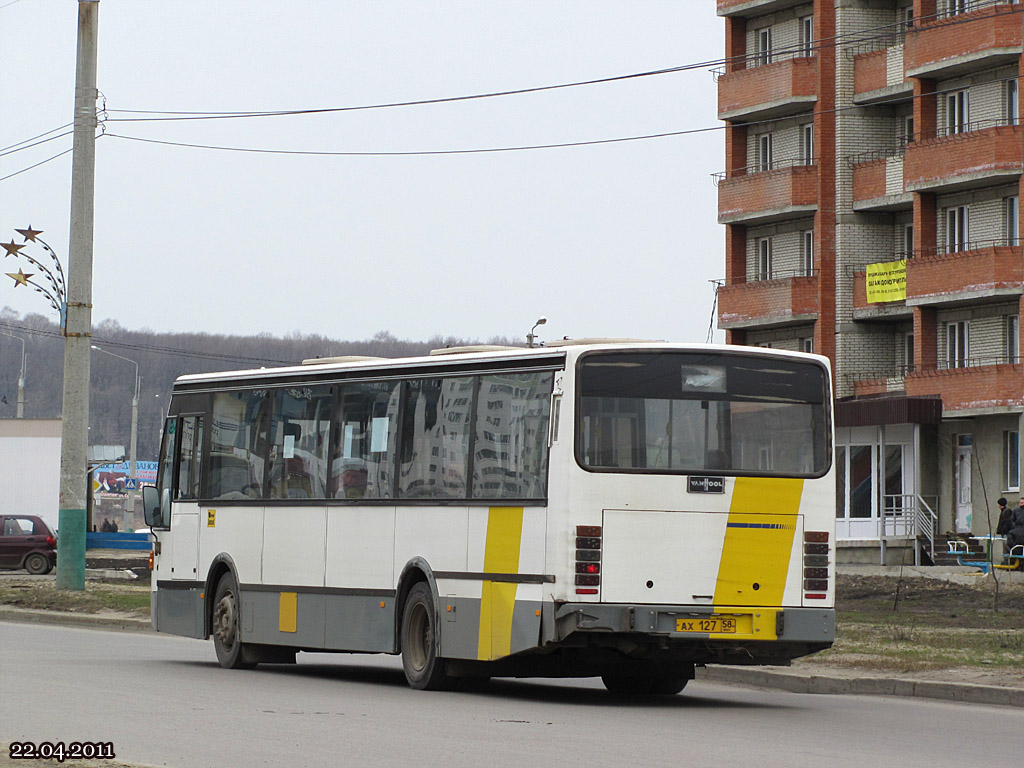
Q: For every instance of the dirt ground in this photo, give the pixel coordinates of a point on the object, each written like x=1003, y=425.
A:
x=886, y=614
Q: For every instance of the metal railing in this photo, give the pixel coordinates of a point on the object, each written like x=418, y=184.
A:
x=763, y=277
x=910, y=516
x=772, y=165
x=967, y=247
x=954, y=9
x=765, y=58
x=971, y=126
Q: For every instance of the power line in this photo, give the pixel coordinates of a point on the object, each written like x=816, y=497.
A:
x=836, y=42
x=38, y=136
x=480, y=150
x=156, y=349
x=10, y=151
x=36, y=165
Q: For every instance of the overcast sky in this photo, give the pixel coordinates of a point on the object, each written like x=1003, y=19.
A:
x=609, y=240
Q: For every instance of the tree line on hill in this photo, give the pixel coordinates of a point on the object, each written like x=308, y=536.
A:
x=161, y=358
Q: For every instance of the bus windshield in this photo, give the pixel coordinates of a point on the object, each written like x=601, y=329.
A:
x=703, y=412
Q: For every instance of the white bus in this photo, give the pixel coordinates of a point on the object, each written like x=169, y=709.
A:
x=628, y=510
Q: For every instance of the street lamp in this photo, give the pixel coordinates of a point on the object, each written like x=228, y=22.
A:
x=531, y=337
x=132, y=475
x=21, y=376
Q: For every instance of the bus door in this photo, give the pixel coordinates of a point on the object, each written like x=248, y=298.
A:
x=185, y=508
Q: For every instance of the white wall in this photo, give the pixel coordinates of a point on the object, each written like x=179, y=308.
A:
x=30, y=467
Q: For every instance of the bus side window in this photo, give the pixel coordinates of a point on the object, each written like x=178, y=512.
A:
x=510, y=447
x=190, y=459
x=238, y=445
x=165, y=480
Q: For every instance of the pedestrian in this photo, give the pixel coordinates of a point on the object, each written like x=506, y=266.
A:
x=1005, y=518
x=1015, y=536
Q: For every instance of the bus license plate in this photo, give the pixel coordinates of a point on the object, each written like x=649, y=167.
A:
x=708, y=624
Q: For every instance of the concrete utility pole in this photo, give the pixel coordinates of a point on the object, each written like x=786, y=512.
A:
x=78, y=328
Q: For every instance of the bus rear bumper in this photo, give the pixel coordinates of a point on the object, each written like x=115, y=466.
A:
x=702, y=623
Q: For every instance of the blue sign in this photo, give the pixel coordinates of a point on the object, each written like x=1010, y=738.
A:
x=131, y=484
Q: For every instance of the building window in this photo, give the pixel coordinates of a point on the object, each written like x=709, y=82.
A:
x=764, y=258
x=908, y=130
x=764, y=152
x=807, y=345
x=764, y=46
x=957, y=112
x=957, y=229
x=956, y=7
x=905, y=352
x=958, y=344
x=906, y=15
x=1011, y=216
x=1011, y=443
x=807, y=36
x=1012, y=338
x=807, y=144
x=1011, y=103
x=807, y=252
x=907, y=245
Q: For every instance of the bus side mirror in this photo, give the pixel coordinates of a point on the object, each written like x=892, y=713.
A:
x=151, y=507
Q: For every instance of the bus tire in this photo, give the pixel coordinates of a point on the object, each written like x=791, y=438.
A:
x=653, y=682
x=424, y=671
x=226, y=626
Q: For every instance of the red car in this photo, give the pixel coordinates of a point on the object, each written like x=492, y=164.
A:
x=26, y=541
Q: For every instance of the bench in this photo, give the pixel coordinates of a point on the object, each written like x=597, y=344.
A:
x=962, y=551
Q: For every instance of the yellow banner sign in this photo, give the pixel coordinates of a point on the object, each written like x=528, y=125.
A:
x=887, y=281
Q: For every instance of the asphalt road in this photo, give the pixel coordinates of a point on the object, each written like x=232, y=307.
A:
x=162, y=700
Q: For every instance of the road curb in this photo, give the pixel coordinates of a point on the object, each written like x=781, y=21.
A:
x=88, y=620
x=968, y=693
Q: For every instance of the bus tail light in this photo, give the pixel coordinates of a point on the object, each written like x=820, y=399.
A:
x=151, y=559
x=588, y=559
x=815, y=565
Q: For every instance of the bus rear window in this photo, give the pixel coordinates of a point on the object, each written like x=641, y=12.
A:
x=693, y=412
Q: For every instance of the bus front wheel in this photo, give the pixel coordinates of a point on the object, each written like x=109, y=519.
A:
x=227, y=626
x=423, y=669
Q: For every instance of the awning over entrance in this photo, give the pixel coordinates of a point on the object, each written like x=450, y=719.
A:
x=875, y=411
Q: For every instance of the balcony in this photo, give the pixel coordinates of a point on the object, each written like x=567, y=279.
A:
x=878, y=74
x=754, y=196
x=980, y=385
x=982, y=153
x=986, y=37
x=878, y=181
x=878, y=310
x=752, y=7
x=765, y=303
x=985, y=270
x=769, y=91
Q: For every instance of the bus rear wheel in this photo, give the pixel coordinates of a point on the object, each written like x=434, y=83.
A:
x=423, y=669
x=227, y=623
x=647, y=682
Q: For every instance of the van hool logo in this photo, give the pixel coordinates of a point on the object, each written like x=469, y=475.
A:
x=704, y=484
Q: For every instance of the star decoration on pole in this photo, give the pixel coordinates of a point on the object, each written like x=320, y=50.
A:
x=29, y=234
x=11, y=248
x=20, y=278
x=54, y=287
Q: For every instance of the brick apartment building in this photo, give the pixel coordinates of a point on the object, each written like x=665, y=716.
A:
x=871, y=199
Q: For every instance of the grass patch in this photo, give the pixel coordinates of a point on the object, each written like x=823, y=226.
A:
x=95, y=598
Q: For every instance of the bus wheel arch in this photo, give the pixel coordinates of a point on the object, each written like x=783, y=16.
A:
x=417, y=629
x=222, y=564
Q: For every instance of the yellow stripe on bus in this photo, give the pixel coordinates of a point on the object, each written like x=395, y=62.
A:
x=498, y=599
x=288, y=612
x=758, y=541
